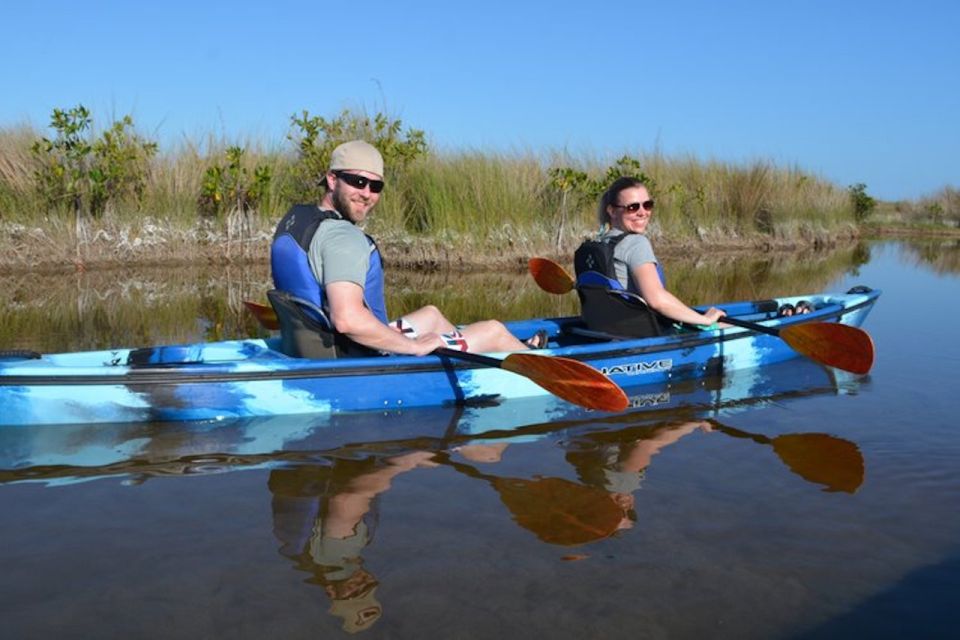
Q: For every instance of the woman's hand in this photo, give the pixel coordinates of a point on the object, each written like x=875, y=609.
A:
x=713, y=315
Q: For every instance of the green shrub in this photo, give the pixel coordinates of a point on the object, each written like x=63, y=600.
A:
x=230, y=187
x=84, y=174
x=863, y=204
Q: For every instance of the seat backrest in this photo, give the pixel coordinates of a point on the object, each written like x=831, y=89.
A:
x=607, y=307
x=597, y=279
x=306, y=331
x=303, y=334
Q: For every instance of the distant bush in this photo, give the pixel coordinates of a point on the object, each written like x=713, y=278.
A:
x=863, y=204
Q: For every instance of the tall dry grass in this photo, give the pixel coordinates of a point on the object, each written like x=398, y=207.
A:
x=466, y=206
x=18, y=197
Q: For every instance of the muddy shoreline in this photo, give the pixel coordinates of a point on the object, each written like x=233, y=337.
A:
x=55, y=251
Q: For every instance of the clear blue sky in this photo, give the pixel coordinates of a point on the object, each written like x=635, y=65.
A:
x=854, y=91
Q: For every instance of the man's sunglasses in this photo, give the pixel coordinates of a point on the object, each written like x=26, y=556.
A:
x=359, y=182
x=633, y=207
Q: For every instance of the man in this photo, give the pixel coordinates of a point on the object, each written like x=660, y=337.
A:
x=320, y=254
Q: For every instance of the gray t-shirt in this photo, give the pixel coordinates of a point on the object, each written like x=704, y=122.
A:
x=339, y=252
x=632, y=251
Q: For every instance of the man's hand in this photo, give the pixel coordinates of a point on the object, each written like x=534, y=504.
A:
x=427, y=343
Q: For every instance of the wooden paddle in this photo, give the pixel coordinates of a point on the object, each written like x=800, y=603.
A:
x=830, y=343
x=572, y=380
x=569, y=379
x=264, y=314
x=833, y=462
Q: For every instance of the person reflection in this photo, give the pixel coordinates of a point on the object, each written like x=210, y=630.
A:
x=325, y=515
x=617, y=462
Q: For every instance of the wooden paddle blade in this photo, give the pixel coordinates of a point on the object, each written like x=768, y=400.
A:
x=550, y=276
x=572, y=380
x=833, y=344
x=265, y=314
x=822, y=459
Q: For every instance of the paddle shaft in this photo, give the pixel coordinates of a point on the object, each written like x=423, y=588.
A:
x=475, y=358
x=751, y=325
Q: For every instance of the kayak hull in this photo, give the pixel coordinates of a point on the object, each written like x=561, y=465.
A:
x=250, y=378
x=67, y=453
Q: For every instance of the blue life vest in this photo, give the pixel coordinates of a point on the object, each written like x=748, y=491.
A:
x=290, y=265
x=594, y=264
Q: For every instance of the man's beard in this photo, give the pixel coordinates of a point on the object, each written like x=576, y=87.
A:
x=348, y=209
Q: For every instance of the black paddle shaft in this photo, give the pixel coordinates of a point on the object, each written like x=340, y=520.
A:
x=469, y=357
x=751, y=325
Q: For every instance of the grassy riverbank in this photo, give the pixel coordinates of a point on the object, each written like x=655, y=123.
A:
x=449, y=209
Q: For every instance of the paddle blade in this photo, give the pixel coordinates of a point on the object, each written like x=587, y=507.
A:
x=574, y=381
x=265, y=314
x=550, y=276
x=833, y=344
x=822, y=459
x=559, y=511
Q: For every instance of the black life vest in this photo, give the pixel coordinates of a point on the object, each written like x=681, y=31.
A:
x=291, y=268
x=597, y=256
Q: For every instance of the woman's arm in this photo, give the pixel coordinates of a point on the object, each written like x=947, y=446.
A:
x=664, y=302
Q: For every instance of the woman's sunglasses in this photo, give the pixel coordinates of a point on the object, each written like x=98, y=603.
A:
x=359, y=182
x=633, y=207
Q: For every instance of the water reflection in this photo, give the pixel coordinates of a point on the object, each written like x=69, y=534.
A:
x=942, y=255
x=820, y=458
x=610, y=466
x=324, y=515
x=142, y=307
x=325, y=511
x=328, y=474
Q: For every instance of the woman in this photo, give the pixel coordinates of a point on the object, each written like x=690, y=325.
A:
x=624, y=213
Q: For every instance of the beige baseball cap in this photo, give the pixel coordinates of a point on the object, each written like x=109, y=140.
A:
x=357, y=155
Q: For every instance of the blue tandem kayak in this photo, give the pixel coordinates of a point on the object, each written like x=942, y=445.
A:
x=63, y=454
x=252, y=378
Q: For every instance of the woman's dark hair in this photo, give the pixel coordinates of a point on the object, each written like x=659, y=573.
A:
x=612, y=193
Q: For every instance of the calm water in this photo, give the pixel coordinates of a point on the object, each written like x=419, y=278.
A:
x=828, y=508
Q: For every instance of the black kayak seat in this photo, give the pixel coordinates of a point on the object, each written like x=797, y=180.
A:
x=607, y=307
x=306, y=331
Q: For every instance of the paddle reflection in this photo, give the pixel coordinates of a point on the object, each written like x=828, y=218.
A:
x=820, y=458
x=610, y=467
